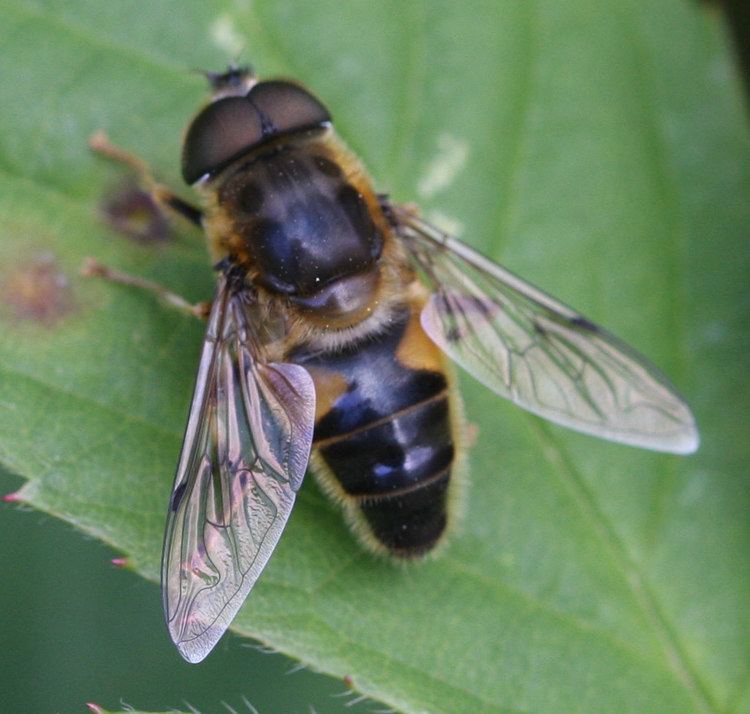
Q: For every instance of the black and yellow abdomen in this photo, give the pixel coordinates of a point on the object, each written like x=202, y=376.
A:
x=384, y=434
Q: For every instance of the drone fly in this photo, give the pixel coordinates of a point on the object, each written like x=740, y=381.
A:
x=328, y=343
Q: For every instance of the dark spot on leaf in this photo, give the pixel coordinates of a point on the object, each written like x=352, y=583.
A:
x=37, y=290
x=131, y=211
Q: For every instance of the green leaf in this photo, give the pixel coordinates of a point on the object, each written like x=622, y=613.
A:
x=599, y=149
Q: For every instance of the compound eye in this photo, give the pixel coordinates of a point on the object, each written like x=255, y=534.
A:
x=222, y=131
x=230, y=126
x=286, y=107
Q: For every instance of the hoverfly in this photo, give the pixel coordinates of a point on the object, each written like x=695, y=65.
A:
x=327, y=342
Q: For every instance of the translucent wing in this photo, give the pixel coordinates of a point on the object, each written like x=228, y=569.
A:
x=244, y=455
x=528, y=347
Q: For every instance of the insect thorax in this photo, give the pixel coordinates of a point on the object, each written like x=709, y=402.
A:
x=301, y=215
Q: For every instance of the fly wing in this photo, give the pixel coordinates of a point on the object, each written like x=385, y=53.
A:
x=243, y=458
x=547, y=358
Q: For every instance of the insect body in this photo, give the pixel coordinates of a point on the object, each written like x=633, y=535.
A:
x=300, y=230
x=334, y=313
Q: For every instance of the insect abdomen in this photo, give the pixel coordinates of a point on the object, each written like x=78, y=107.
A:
x=397, y=473
x=384, y=437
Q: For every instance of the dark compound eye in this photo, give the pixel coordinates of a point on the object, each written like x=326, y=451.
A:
x=220, y=132
x=286, y=107
x=233, y=125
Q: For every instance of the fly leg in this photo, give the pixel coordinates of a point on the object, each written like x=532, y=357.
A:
x=163, y=197
x=92, y=268
x=160, y=194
